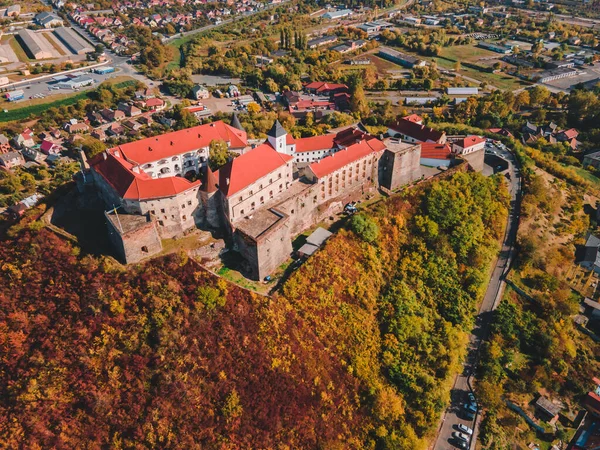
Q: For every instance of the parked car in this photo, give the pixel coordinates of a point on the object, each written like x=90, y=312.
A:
x=470, y=407
x=471, y=397
x=464, y=429
x=460, y=444
x=460, y=436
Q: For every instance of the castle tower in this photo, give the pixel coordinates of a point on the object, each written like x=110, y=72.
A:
x=209, y=199
x=235, y=122
x=277, y=137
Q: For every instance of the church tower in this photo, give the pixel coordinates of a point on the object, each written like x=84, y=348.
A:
x=277, y=137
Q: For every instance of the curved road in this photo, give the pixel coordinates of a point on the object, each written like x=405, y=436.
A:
x=462, y=384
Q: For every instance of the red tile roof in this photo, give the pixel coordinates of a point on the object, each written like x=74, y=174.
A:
x=470, y=141
x=322, y=86
x=311, y=144
x=501, y=131
x=153, y=102
x=414, y=118
x=177, y=142
x=350, y=136
x=244, y=170
x=416, y=131
x=347, y=156
x=571, y=133
x=435, y=151
x=136, y=186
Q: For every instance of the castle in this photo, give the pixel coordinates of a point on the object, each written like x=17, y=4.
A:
x=259, y=199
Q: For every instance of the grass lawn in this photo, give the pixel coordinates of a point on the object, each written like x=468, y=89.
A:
x=469, y=53
x=57, y=47
x=499, y=80
x=21, y=55
x=585, y=174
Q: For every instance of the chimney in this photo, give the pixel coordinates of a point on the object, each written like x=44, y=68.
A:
x=149, y=148
x=172, y=143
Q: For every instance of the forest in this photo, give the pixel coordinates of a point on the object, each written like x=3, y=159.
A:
x=356, y=351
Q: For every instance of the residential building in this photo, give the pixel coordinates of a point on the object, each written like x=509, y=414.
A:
x=11, y=159
x=436, y=155
x=469, y=144
x=412, y=130
x=48, y=20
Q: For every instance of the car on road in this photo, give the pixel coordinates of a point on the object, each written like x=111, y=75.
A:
x=460, y=436
x=464, y=429
x=471, y=398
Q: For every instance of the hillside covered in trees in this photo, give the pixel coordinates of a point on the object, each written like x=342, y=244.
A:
x=356, y=351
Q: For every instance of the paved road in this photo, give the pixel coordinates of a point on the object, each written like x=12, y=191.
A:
x=225, y=22
x=453, y=415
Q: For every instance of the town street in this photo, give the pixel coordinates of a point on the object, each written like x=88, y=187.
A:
x=463, y=382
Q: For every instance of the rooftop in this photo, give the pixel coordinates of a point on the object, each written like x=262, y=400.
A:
x=244, y=170
x=124, y=223
x=346, y=156
x=182, y=141
x=260, y=222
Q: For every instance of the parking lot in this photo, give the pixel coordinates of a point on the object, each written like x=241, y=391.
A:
x=48, y=87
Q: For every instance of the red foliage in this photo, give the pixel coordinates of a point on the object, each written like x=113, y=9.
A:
x=92, y=356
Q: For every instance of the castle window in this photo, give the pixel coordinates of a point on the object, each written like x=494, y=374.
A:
x=292, y=211
x=279, y=175
x=184, y=218
x=242, y=212
x=261, y=186
x=145, y=249
x=189, y=203
x=153, y=212
x=262, y=200
x=270, y=194
x=175, y=158
x=161, y=223
x=183, y=206
x=270, y=180
x=172, y=216
x=253, y=205
x=162, y=210
x=251, y=192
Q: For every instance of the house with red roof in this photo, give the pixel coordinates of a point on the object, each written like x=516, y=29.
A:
x=469, y=144
x=411, y=129
x=436, y=155
x=50, y=148
x=324, y=88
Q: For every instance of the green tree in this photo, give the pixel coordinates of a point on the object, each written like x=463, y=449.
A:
x=218, y=154
x=365, y=227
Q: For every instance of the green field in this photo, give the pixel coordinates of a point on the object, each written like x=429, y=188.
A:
x=35, y=110
x=468, y=53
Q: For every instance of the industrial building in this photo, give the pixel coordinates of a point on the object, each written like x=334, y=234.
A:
x=463, y=91
x=400, y=58
x=76, y=83
x=339, y=14
x=73, y=41
x=13, y=96
x=35, y=45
